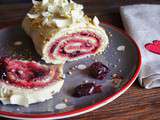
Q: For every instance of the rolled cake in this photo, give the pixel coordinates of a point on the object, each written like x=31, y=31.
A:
x=26, y=82
x=61, y=32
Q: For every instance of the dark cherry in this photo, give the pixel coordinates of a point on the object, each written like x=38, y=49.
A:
x=86, y=89
x=98, y=70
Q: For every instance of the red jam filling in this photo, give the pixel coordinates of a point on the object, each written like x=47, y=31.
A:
x=85, y=47
x=23, y=74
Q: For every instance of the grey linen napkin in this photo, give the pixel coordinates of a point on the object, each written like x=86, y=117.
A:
x=142, y=22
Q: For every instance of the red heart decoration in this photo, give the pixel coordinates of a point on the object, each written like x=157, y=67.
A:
x=153, y=47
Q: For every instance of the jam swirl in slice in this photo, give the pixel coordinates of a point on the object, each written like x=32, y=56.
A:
x=25, y=73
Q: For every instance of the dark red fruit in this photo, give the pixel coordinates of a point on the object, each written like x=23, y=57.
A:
x=23, y=73
x=98, y=70
x=86, y=89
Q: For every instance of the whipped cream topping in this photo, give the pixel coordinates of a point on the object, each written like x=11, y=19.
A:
x=59, y=13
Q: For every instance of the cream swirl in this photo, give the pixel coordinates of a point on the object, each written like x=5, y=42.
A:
x=60, y=13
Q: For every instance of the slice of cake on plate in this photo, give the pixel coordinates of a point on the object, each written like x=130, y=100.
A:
x=62, y=32
x=26, y=82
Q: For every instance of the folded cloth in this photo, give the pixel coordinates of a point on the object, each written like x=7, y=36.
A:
x=142, y=22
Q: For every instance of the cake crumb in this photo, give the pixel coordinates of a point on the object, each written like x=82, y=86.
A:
x=7, y=81
x=110, y=35
x=96, y=60
x=73, y=68
x=81, y=66
x=60, y=106
x=18, y=109
x=121, y=48
x=115, y=66
x=86, y=81
x=114, y=75
x=20, y=72
x=17, y=43
x=65, y=100
x=69, y=73
x=110, y=64
x=35, y=88
x=117, y=76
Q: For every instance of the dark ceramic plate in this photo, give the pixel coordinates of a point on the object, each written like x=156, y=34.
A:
x=125, y=63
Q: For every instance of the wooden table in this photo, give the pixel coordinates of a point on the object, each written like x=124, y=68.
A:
x=135, y=104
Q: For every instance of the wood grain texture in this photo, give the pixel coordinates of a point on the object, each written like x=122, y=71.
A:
x=135, y=104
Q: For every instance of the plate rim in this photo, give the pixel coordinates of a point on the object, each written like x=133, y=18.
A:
x=88, y=108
